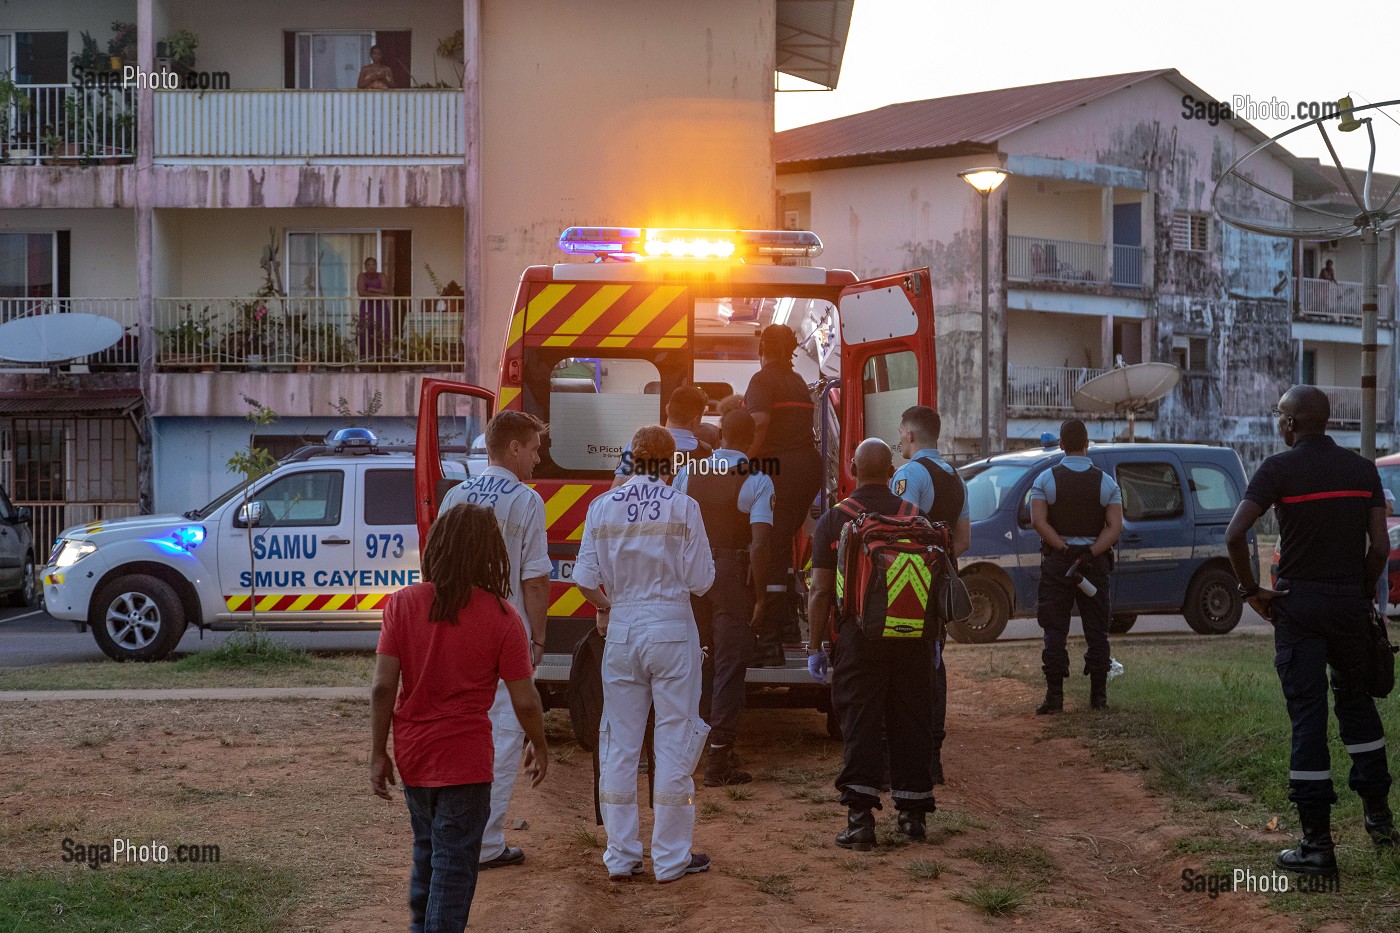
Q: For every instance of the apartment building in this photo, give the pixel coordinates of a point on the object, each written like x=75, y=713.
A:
x=1102, y=247
x=226, y=222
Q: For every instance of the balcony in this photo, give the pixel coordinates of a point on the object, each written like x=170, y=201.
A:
x=61, y=124
x=326, y=334
x=123, y=356
x=1337, y=301
x=1041, y=259
x=1346, y=405
x=1033, y=388
x=419, y=124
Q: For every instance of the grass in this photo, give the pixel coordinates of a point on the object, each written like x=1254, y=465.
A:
x=587, y=838
x=272, y=664
x=738, y=793
x=775, y=885
x=924, y=869
x=231, y=897
x=996, y=900
x=1027, y=862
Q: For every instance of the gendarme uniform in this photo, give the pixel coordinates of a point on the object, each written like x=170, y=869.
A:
x=1077, y=495
x=644, y=543
x=730, y=502
x=930, y=483
x=520, y=515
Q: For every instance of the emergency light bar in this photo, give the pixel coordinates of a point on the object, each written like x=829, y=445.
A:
x=672, y=243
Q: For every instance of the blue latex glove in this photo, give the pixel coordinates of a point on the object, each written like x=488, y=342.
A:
x=819, y=666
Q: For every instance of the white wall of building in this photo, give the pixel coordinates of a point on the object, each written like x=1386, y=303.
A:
x=103, y=257
x=1046, y=339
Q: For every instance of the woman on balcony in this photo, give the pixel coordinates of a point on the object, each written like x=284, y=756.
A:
x=376, y=327
x=376, y=76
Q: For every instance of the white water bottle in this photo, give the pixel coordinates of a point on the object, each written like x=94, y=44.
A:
x=1085, y=587
x=1115, y=668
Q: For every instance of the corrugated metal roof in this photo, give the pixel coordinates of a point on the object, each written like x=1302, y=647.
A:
x=812, y=38
x=921, y=128
x=46, y=403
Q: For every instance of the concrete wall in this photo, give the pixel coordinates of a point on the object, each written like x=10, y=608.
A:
x=1059, y=210
x=74, y=16
x=1047, y=339
x=103, y=259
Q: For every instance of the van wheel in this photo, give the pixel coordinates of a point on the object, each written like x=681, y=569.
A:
x=1213, y=605
x=1121, y=623
x=27, y=596
x=990, y=611
x=137, y=618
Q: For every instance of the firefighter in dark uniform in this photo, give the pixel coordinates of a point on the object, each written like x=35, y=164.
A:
x=782, y=410
x=736, y=505
x=1077, y=509
x=1331, y=517
x=932, y=485
x=882, y=692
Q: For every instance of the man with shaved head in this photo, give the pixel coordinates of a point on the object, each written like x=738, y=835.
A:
x=878, y=689
x=1334, y=547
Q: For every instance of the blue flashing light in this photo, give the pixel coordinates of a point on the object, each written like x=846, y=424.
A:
x=355, y=440
x=189, y=537
x=687, y=244
x=601, y=241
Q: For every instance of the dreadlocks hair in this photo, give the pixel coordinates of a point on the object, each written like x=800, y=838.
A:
x=464, y=550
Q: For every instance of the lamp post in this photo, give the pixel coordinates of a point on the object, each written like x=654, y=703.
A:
x=985, y=181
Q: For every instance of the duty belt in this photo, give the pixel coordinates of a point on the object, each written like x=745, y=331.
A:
x=1321, y=587
x=725, y=553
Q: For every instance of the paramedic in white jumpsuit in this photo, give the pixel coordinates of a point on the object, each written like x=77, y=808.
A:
x=512, y=448
x=643, y=554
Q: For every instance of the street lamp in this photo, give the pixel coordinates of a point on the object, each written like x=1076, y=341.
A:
x=985, y=180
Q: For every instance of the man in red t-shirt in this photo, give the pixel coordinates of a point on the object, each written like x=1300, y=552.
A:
x=444, y=674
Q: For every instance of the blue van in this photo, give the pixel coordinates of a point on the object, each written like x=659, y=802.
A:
x=1177, y=501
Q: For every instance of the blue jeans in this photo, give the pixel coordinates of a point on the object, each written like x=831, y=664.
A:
x=447, y=826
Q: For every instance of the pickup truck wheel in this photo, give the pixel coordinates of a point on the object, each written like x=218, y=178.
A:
x=1213, y=605
x=1121, y=623
x=990, y=611
x=137, y=618
x=27, y=596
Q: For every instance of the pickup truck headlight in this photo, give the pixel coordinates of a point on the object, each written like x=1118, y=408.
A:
x=70, y=552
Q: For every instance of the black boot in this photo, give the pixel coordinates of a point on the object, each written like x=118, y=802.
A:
x=1315, y=854
x=936, y=766
x=1380, y=825
x=1054, y=697
x=911, y=824
x=1098, y=690
x=720, y=770
x=860, y=831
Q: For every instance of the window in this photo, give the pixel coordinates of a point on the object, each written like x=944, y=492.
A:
x=989, y=486
x=1212, y=489
x=302, y=499
x=1308, y=368
x=331, y=60
x=890, y=385
x=1151, y=491
x=1189, y=354
x=389, y=497
x=29, y=265
x=327, y=263
x=595, y=406
x=7, y=512
x=1190, y=231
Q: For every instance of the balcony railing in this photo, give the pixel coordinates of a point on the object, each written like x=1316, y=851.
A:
x=1338, y=300
x=271, y=124
x=1346, y=404
x=123, y=355
x=1034, y=258
x=1030, y=386
x=61, y=122
x=304, y=333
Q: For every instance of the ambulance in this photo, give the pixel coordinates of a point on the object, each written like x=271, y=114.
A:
x=596, y=347
x=316, y=545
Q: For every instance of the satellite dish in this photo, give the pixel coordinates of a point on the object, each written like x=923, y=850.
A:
x=52, y=338
x=1127, y=390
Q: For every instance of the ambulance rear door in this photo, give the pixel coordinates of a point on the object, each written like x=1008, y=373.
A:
x=887, y=360
x=451, y=419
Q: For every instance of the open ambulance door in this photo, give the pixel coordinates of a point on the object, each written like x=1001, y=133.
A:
x=887, y=360
x=450, y=417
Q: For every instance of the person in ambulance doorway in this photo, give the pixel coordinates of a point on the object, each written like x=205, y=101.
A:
x=736, y=504
x=683, y=414
x=1077, y=509
x=882, y=692
x=930, y=483
x=644, y=553
x=1331, y=519
x=513, y=452
x=782, y=410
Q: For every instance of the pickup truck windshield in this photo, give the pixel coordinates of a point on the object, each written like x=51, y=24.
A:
x=989, y=485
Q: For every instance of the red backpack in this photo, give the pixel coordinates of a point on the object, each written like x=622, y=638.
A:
x=888, y=568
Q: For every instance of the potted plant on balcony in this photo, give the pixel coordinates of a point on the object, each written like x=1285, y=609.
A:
x=121, y=48
x=11, y=98
x=186, y=344
x=176, y=51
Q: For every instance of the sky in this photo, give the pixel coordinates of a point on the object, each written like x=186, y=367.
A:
x=900, y=50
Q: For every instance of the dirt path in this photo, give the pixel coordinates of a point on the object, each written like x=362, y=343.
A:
x=284, y=784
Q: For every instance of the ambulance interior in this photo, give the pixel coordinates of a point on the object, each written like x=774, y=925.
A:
x=597, y=403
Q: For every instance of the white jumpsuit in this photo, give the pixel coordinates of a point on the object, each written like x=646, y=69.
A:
x=644, y=544
x=520, y=514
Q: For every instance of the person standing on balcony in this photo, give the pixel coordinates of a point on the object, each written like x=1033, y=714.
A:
x=1327, y=274
x=376, y=76
x=375, y=318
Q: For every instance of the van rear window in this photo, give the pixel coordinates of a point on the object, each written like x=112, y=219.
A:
x=989, y=486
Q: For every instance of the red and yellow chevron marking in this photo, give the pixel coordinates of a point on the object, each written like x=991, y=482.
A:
x=599, y=315
x=566, y=600
x=306, y=602
x=566, y=506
